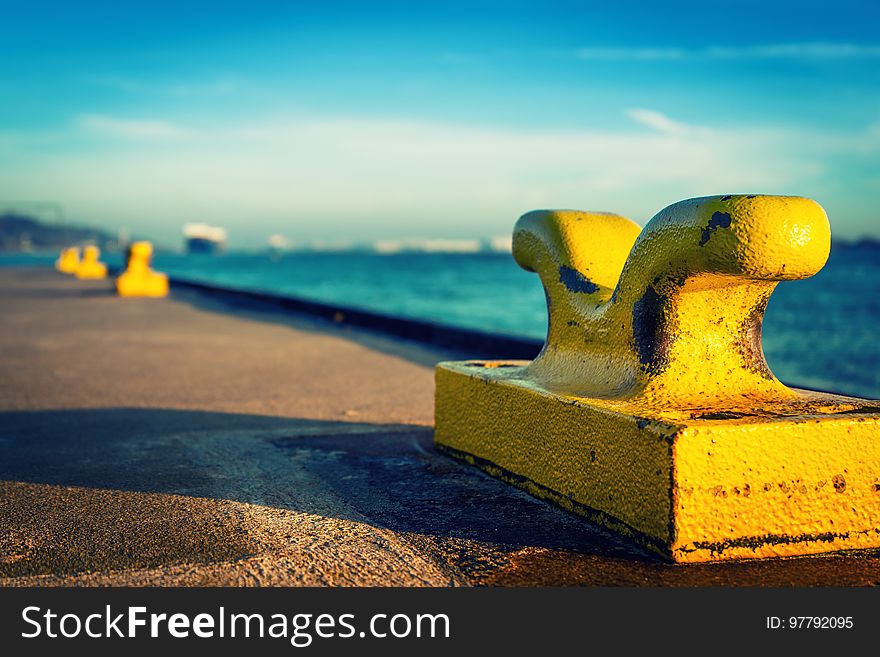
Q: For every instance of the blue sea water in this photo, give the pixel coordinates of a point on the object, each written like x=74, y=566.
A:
x=819, y=333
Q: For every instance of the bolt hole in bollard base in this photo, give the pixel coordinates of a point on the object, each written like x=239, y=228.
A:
x=651, y=409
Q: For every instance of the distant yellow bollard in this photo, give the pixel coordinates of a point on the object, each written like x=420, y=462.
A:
x=651, y=409
x=68, y=260
x=90, y=267
x=138, y=280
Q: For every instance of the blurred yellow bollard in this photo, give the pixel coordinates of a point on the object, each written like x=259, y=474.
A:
x=90, y=267
x=138, y=280
x=68, y=260
x=651, y=408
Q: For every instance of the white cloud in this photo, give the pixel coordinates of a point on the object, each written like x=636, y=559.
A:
x=216, y=86
x=139, y=129
x=658, y=121
x=370, y=178
x=631, y=54
x=796, y=51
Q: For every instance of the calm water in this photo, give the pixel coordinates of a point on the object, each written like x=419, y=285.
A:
x=819, y=333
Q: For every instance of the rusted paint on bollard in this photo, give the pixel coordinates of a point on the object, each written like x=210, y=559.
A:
x=138, y=279
x=68, y=260
x=90, y=267
x=651, y=409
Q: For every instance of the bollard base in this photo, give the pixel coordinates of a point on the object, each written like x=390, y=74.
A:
x=149, y=285
x=779, y=479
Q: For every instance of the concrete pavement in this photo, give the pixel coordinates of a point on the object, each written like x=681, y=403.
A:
x=179, y=442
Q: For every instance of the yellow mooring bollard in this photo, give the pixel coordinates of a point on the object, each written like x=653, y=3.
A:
x=138, y=280
x=651, y=409
x=90, y=267
x=68, y=260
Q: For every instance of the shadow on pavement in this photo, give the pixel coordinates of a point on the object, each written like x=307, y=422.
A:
x=385, y=475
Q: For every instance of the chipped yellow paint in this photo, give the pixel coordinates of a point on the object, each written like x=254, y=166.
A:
x=651, y=408
x=90, y=267
x=138, y=280
x=68, y=260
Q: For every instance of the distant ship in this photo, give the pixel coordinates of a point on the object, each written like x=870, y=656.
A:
x=203, y=238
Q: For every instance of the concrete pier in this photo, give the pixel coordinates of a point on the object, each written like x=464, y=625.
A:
x=180, y=442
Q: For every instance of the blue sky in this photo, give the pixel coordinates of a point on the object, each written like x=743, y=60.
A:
x=375, y=120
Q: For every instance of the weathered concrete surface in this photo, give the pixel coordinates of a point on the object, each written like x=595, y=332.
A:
x=172, y=442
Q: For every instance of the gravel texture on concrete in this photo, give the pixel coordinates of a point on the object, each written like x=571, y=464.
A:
x=182, y=442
